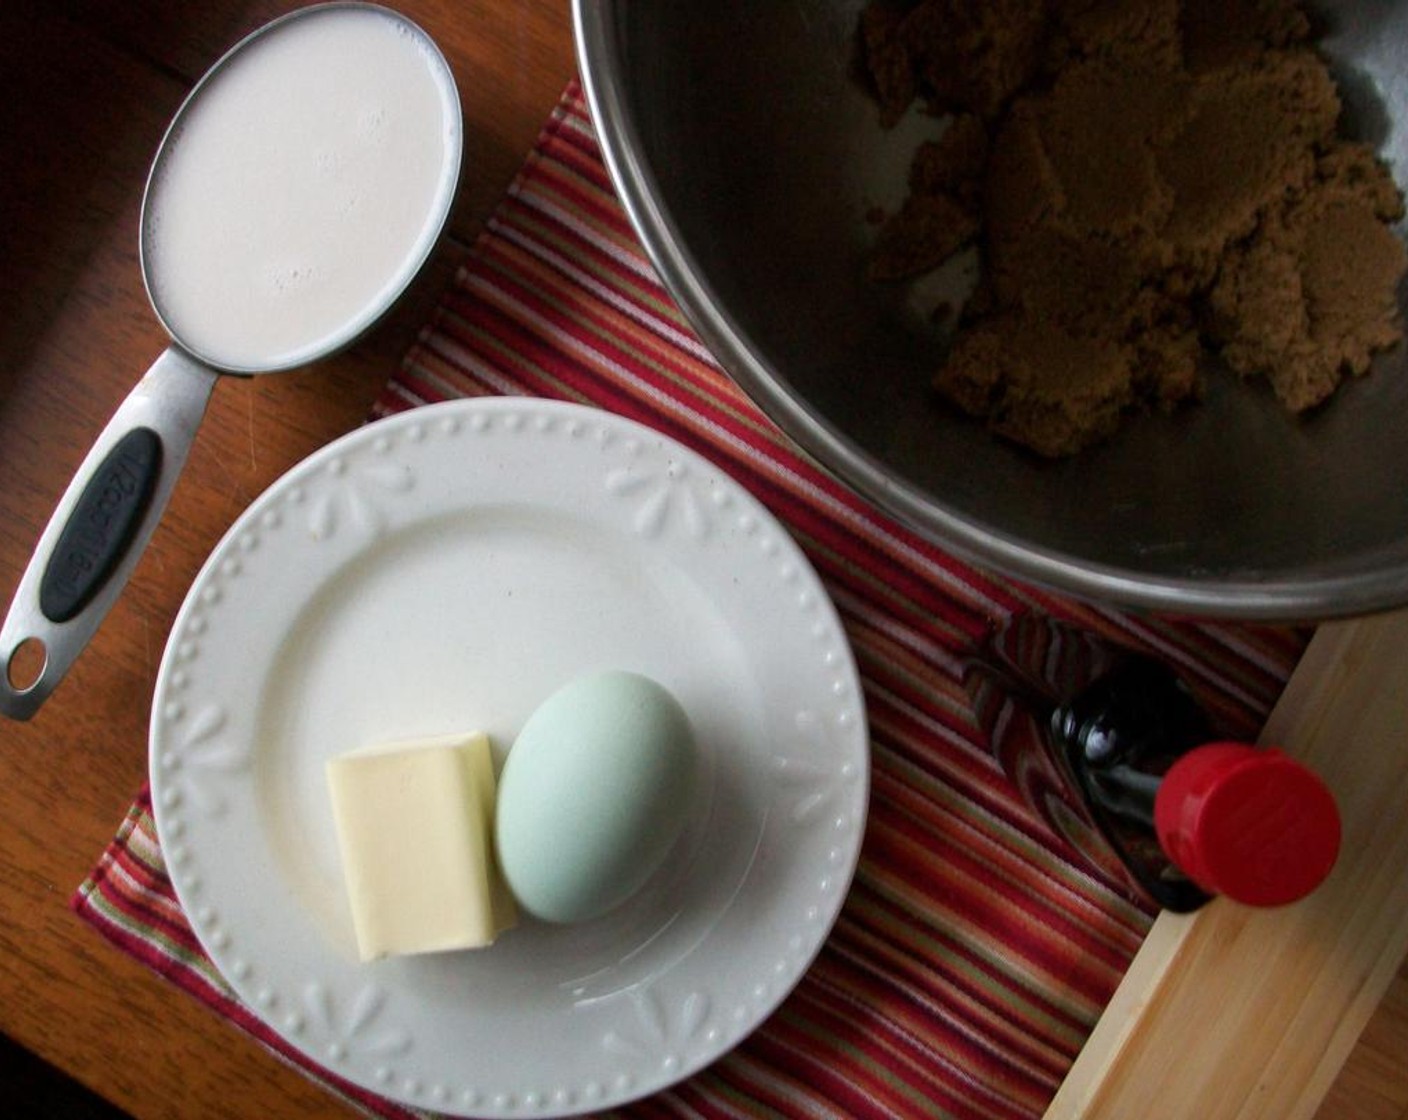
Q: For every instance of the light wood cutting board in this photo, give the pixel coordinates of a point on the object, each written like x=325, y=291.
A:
x=1238, y=1013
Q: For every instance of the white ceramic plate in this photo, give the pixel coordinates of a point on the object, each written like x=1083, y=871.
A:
x=447, y=569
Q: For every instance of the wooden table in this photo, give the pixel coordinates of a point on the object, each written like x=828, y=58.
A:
x=89, y=88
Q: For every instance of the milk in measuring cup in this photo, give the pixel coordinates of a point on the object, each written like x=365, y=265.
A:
x=301, y=188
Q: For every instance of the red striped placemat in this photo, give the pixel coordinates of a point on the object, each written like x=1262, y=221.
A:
x=974, y=952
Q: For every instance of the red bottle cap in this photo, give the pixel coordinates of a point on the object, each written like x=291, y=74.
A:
x=1249, y=824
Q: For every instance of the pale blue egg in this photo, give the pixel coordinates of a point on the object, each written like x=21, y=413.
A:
x=594, y=793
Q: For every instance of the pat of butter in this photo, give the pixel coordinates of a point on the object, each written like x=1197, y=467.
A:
x=415, y=827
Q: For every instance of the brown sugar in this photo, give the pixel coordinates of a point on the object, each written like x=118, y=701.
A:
x=1151, y=182
x=1315, y=295
x=928, y=229
x=887, y=59
x=1223, y=33
x=942, y=212
x=1126, y=30
x=1250, y=141
x=973, y=55
x=1040, y=384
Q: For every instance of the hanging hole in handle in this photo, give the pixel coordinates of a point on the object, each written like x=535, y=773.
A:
x=26, y=664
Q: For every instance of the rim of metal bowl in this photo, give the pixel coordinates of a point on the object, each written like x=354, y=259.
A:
x=1280, y=600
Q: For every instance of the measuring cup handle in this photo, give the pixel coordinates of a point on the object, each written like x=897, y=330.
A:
x=101, y=525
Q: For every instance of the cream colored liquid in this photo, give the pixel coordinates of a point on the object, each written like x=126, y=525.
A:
x=304, y=187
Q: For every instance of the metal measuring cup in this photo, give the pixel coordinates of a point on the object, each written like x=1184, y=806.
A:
x=111, y=507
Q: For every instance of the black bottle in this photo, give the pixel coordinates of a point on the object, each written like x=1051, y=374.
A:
x=1114, y=752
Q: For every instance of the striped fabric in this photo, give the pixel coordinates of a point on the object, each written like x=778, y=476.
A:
x=974, y=952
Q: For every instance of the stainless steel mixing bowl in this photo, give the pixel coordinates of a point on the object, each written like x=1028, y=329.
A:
x=748, y=158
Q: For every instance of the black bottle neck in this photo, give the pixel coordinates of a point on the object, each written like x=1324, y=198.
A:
x=1138, y=718
x=1119, y=737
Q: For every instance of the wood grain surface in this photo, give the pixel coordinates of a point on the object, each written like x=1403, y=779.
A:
x=89, y=88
